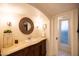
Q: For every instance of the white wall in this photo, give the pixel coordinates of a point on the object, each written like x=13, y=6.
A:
x=72, y=15
x=14, y=13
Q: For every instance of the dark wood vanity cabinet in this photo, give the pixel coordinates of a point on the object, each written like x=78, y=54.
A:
x=38, y=49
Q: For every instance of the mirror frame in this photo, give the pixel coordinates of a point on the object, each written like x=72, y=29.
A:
x=22, y=27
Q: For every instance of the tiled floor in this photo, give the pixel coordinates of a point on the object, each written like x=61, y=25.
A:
x=63, y=53
x=64, y=50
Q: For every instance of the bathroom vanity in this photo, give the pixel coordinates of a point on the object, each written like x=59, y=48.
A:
x=34, y=47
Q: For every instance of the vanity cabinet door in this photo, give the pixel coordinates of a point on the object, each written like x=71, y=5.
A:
x=43, y=48
x=29, y=51
x=37, y=50
x=40, y=49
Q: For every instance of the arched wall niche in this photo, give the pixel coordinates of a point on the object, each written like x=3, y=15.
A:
x=14, y=13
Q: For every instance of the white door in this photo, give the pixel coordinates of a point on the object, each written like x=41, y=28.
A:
x=62, y=37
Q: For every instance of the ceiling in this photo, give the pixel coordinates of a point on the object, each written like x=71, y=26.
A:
x=50, y=9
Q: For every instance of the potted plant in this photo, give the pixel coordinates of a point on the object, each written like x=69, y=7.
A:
x=7, y=31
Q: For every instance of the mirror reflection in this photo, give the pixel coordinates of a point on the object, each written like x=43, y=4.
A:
x=27, y=26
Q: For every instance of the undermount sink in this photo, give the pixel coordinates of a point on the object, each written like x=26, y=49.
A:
x=31, y=40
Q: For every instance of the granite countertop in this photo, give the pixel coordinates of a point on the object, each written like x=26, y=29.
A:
x=20, y=45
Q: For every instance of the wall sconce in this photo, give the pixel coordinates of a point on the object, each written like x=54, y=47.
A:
x=44, y=26
x=9, y=24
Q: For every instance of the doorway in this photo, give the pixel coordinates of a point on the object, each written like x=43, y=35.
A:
x=62, y=36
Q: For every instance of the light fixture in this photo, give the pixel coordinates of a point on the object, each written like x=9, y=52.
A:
x=44, y=26
x=9, y=24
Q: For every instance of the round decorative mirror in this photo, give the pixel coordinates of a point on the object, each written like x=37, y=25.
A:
x=26, y=25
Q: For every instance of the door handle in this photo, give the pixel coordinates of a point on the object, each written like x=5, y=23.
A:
x=56, y=38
